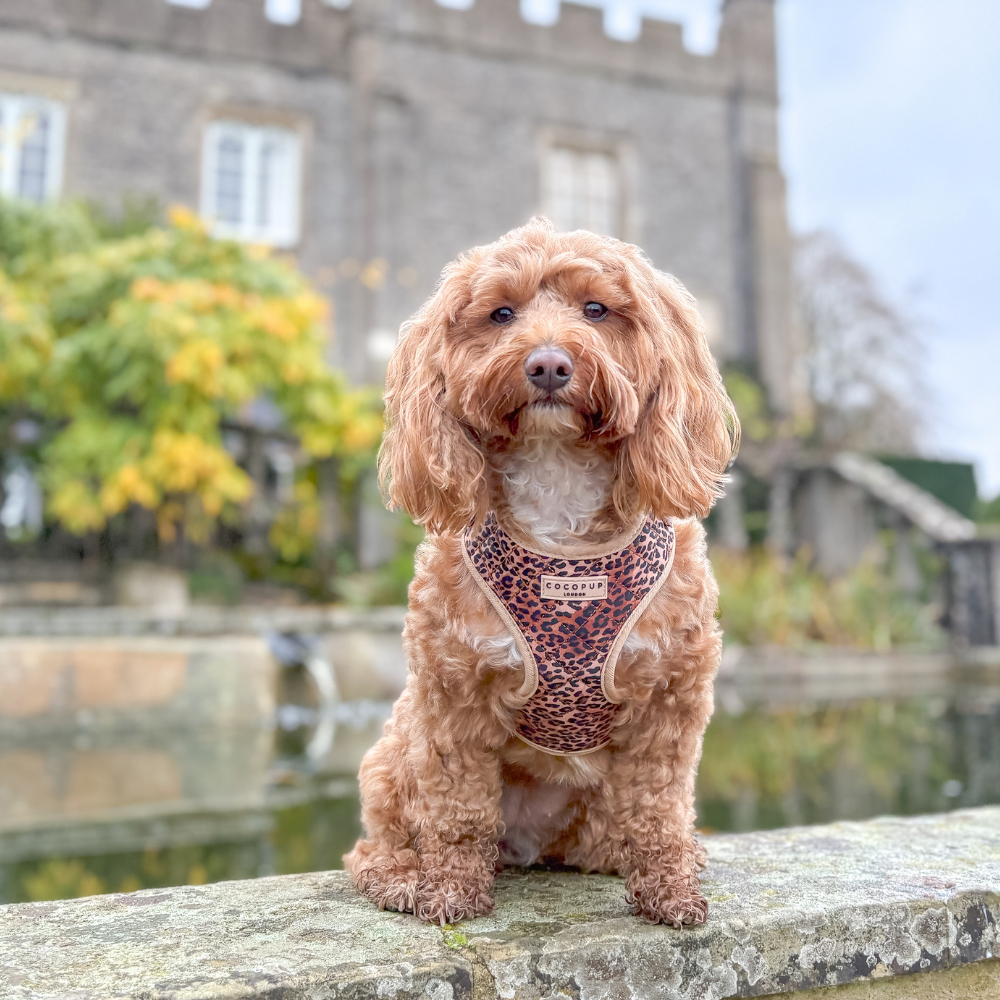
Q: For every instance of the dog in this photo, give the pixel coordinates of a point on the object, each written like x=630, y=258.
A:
x=557, y=423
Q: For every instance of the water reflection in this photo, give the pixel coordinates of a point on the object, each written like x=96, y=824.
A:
x=768, y=767
x=309, y=836
x=92, y=812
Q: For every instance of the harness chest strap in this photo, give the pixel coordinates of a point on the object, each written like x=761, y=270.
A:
x=570, y=619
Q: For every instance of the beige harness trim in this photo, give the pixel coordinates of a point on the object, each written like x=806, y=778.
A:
x=530, y=684
x=608, y=670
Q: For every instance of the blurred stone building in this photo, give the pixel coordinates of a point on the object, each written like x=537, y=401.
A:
x=376, y=139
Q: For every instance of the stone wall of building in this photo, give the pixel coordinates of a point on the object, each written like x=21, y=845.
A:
x=423, y=129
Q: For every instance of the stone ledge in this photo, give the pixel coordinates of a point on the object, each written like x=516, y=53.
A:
x=790, y=910
x=196, y=621
x=978, y=981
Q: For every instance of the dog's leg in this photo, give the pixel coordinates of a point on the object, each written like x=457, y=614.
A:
x=385, y=865
x=431, y=813
x=458, y=804
x=653, y=776
x=662, y=858
x=640, y=822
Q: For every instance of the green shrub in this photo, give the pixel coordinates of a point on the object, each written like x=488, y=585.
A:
x=766, y=601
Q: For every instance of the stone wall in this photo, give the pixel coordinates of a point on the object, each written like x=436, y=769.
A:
x=908, y=902
x=47, y=685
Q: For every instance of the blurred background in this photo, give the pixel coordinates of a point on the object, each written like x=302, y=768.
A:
x=214, y=216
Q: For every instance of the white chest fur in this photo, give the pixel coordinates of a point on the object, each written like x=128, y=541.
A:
x=553, y=488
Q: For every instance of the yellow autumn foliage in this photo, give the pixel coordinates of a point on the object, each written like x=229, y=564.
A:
x=25, y=339
x=135, y=353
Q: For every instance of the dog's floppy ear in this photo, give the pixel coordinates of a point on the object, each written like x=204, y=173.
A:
x=688, y=432
x=428, y=465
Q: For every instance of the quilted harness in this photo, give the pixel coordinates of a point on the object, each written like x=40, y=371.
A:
x=570, y=619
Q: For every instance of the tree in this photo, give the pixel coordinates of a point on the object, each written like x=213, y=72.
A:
x=863, y=355
x=133, y=355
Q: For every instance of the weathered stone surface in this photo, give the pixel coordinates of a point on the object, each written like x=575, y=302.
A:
x=790, y=909
x=980, y=981
x=272, y=937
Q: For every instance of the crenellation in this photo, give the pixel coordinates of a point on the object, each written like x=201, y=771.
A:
x=239, y=29
x=482, y=23
x=577, y=40
x=660, y=50
x=747, y=43
x=233, y=29
x=663, y=38
x=582, y=28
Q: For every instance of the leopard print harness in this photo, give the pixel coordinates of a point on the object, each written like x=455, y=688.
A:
x=570, y=619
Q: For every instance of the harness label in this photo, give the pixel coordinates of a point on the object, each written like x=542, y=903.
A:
x=575, y=588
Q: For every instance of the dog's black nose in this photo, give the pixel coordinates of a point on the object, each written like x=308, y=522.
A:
x=549, y=368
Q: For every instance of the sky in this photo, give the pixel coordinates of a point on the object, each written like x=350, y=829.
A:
x=890, y=138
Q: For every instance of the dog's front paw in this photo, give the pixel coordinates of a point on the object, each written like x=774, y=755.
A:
x=452, y=901
x=663, y=898
x=455, y=884
x=389, y=880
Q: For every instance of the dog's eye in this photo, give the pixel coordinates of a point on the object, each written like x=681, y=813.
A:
x=595, y=311
x=502, y=316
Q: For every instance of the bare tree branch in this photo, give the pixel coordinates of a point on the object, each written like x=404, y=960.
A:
x=864, y=356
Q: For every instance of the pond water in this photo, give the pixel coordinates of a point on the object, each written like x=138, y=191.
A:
x=87, y=812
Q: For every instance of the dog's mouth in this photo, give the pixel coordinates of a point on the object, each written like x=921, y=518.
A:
x=552, y=418
x=549, y=403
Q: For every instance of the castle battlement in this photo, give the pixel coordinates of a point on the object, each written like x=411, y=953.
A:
x=318, y=41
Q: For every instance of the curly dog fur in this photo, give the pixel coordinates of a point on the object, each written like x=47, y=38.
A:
x=644, y=425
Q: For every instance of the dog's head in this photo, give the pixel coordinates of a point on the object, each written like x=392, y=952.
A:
x=573, y=335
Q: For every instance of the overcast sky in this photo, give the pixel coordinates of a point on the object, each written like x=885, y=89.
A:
x=891, y=138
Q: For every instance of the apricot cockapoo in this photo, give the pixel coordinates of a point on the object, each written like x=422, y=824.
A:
x=557, y=423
